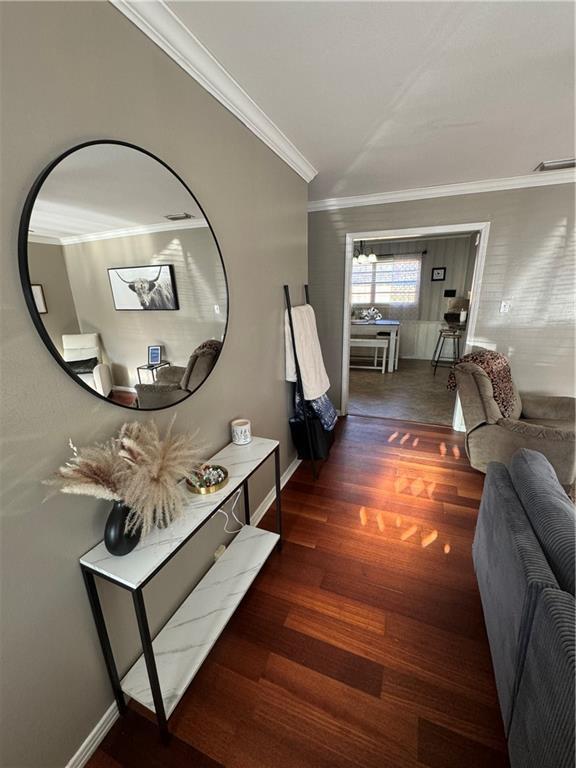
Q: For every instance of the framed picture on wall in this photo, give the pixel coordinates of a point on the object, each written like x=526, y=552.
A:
x=438, y=274
x=149, y=288
x=38, y=293
x=154, y=354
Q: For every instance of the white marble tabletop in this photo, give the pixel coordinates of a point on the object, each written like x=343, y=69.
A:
x=133, y=569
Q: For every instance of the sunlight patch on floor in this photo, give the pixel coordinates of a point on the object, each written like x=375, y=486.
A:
x=430, y=538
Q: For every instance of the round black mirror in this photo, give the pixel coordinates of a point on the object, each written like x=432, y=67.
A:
x=123, y=275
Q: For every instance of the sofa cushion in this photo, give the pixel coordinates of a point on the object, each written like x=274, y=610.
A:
x=564, y=425
x=550, y=512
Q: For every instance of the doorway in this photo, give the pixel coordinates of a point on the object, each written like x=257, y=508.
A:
x=392, y=281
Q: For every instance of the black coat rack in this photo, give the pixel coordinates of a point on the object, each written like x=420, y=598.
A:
x=298, y=385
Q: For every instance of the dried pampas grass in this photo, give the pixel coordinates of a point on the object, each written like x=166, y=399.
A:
x=154, y=491
x=93, y=471
x=139, y=468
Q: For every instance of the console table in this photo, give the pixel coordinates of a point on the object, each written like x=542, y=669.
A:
x=168, y=663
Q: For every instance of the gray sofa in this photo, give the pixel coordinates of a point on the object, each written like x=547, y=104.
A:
x=541, y=422
x=524, y=558
x=176, y=382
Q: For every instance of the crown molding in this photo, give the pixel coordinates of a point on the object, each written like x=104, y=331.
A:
x=164, y=28
x=446, y=190
x=147, y=229
x=38, y=237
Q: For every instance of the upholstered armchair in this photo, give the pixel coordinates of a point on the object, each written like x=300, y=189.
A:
x=83, y=353
x=540, y=422
x=175, y=382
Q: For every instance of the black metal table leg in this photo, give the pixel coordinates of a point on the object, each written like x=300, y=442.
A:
x=104, y=639
x=433, y=361
x=246, y=502
x=442, y=339
x=278, y=494
x=146, y=640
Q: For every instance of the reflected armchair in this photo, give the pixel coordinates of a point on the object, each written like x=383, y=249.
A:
x=542, y=423
x=176, y=382
x=83, y=353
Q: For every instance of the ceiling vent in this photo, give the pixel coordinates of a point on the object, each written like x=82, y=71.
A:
x=556, y=165
x=178, y=216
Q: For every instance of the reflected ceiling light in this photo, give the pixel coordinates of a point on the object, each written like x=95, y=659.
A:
x=556, y=165
x=179, y=216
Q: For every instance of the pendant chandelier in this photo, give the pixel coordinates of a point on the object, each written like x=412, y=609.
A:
x=360, y=256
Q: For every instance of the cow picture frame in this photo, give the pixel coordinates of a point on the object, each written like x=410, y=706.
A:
x=148, y=288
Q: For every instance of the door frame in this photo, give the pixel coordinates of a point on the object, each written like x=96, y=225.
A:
x=483, y=228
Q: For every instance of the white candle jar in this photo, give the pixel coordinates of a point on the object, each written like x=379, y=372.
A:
x=241, y=431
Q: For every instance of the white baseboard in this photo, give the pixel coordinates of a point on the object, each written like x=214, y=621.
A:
x=92, y=741
x=124, y=389
x=96, y=735
x=271, y=495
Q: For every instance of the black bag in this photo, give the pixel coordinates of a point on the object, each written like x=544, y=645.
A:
x=320, y=439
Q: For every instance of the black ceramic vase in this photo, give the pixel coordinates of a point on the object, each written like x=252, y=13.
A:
x=117, y=541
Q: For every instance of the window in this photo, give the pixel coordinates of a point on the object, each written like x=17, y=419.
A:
x=391, y=280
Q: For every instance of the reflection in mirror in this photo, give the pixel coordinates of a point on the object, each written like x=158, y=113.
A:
x=117, y=256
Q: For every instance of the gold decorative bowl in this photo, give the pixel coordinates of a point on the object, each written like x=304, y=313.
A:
x=205, y=489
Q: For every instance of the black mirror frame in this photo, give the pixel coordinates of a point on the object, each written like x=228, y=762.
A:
x=23, y=232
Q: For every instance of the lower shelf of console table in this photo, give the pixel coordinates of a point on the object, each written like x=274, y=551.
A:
x=168, y=664
x=182, y=645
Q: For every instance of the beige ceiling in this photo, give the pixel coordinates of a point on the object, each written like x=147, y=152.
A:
x=385, y=96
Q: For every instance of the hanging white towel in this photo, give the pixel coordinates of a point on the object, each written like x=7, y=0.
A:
x=315, y=380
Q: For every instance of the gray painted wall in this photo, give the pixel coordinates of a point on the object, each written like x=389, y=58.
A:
x=125, y=335
x=72, y=72
x=47, y=266
x=530, y=261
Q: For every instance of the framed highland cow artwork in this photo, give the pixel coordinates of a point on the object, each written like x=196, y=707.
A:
x=150, y=288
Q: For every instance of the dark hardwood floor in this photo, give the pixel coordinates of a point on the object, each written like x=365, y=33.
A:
x=362, y=643
x=123, y=398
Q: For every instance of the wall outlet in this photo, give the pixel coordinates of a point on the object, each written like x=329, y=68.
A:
x=505, y=306
x=219, y=552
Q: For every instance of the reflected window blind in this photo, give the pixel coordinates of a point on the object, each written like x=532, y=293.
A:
x=391, y=280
